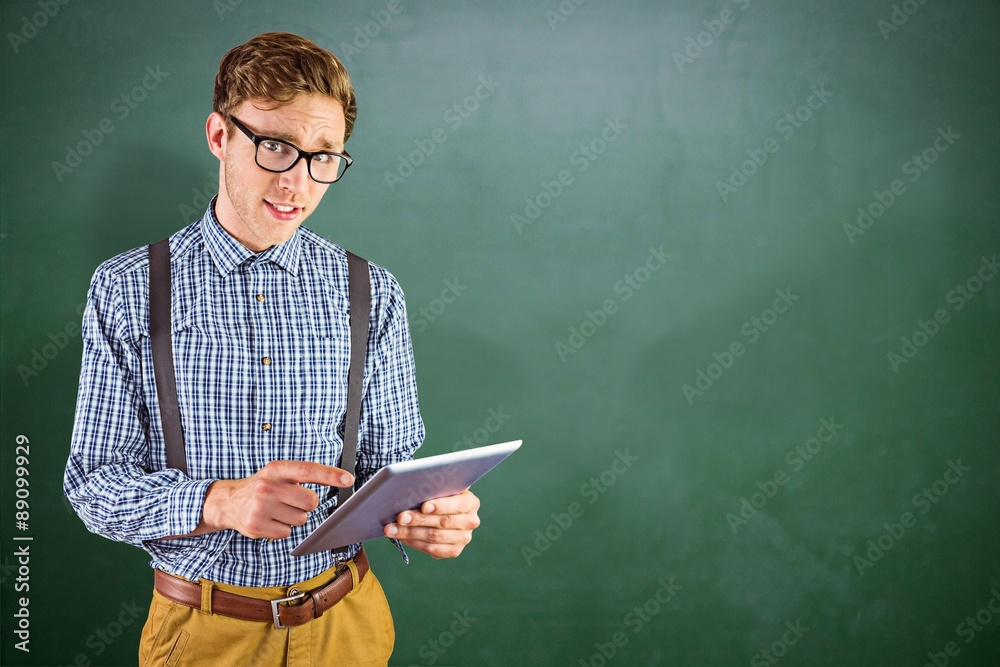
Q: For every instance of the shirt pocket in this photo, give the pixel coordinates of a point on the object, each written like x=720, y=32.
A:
x=323, y=349
x=214, y=388
x=320, y=441
x=210, y=355
x=326, y=311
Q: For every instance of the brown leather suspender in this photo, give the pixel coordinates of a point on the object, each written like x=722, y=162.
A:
x=163, y=356
x=360, y=307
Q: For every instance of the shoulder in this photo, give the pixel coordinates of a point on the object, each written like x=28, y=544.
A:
x=121, y=267
x=120, y=285
x=133, y=265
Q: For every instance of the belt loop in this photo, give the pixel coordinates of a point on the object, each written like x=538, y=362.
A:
x=206, y=596
x=354, y=573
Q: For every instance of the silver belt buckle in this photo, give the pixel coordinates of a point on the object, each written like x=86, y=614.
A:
x=274, y=606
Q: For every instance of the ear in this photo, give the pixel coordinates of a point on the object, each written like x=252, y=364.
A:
x=215, y=131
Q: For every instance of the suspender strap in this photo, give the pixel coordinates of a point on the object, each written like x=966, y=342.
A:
x=360, y=296
x=163, y=355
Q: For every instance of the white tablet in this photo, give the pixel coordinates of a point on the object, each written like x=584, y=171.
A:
x=398, y=487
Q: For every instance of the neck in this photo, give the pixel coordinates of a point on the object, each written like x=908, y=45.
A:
x=233, y=224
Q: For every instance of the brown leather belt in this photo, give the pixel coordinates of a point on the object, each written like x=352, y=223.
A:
x=313, y=603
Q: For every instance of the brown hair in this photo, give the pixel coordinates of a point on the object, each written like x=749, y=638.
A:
x=277, y=66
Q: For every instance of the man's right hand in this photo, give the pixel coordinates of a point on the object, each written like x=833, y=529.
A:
x=270, y=502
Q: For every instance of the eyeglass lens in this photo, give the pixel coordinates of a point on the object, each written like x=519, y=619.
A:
x=279, y=156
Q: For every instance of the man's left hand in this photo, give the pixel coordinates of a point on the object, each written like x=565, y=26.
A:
x=441, y=528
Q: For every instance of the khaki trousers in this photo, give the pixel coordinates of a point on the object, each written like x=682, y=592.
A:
x=357, y=631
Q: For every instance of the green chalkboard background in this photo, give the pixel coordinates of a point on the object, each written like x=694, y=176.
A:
x=750, y=451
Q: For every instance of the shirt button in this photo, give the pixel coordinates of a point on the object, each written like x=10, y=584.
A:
x=260, y=298
x=266, y=361
x=266, y=426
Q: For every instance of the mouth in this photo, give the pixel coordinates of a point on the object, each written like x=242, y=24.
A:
x=283, y=212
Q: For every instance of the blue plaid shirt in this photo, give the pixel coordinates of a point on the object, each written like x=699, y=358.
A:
x=261, y=351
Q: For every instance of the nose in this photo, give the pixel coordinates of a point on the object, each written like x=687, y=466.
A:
x=296, y=179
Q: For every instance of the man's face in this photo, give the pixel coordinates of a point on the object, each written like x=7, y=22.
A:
x=258, y=207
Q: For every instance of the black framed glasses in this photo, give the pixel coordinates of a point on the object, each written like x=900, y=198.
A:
x=276, y=155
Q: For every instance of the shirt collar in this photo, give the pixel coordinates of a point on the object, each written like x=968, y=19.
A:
x=228, y=253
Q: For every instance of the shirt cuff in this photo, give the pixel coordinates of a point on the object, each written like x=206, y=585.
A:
x=402, y=551
x=185, y=504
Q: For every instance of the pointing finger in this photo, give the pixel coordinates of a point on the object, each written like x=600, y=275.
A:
x=303, y=472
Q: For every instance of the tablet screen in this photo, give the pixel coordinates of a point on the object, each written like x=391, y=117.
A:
x=398, y=487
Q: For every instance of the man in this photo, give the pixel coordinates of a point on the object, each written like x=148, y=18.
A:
x=261, y=350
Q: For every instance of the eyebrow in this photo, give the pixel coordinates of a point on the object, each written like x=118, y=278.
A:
x=325, y=144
